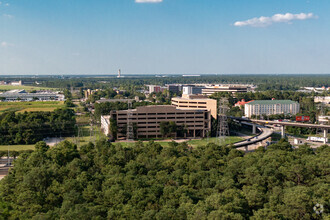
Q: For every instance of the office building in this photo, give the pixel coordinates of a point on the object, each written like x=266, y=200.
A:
x=156, y=89
x=146, y=120
x=271, y=107
x=192, y=90
x=175, y=89
x=196, y=102
x=209, y=90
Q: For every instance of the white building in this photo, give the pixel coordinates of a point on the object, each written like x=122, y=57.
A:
x=322, y=99
x=271, y=107
x=22, y=95
x=105, y=123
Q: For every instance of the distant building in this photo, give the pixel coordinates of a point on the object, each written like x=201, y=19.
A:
x=22, y=95
x=191, y=90
x=209, y=90
x=324, y=119
x=16, y=83
x=175, y=89
x=147, y=120
x=322, y=99
x=156, y=89
x=117, y=100
x=105, y=124
x=196, y=102
x=89, y=92
x=271, y=107
x=3, y=83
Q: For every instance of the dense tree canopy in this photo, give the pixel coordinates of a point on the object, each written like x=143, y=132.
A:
x=31, y=127
x=147, y=181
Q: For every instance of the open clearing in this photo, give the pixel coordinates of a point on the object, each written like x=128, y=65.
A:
x=30, y=106
x=27, y=88
x=16, y=147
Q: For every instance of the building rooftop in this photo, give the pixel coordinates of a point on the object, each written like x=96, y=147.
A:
x=192, y=97
x=271, y=102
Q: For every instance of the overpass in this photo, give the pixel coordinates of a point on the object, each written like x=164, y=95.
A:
x=325, y=128
x=264, y=134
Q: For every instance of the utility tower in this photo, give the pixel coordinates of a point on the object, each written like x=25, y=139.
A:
x=223, y=129
x=130, y=130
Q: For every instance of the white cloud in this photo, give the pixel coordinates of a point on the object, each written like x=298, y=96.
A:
x=148, y=1
x=5, y=44
x=277, y=18
x=8, y=16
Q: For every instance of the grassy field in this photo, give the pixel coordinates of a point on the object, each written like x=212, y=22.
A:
x=27, y=88
x=16, y=147
x=30, y=106
x=192, y=143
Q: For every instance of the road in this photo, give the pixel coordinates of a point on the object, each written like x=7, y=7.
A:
x=265, y=133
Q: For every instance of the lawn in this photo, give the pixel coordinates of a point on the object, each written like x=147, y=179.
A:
x=30, y=106
x=16, y=147
x=27, y=88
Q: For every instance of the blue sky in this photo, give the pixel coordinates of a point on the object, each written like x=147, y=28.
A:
x=168, y=37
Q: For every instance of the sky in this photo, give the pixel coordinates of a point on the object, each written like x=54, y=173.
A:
x=164, y=36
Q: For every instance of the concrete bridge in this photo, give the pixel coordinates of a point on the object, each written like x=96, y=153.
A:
x=282, y=124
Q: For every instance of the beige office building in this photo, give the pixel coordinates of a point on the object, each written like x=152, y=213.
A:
x=146, y=120
x=196, y=102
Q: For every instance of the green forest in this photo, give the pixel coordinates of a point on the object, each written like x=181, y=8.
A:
x=148, y=181
x=31, y=127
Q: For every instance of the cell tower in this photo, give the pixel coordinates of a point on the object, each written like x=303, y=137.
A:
x=223, y=129
x=130, y=131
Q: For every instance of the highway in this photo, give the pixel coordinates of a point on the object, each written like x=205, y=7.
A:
x=295, y=124
x=265, y=133
x=283, y=123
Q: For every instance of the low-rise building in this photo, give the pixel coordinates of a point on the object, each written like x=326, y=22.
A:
x=324, y=119
x=22, y=95
x=196, y=102
x=156, y=89
x=271, y=107
x=322, y=99
x=16, y=83
x=147, y=119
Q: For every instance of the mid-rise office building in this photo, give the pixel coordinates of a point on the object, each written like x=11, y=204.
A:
x=147, y=119
x=196, y=102
x=271, y=107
